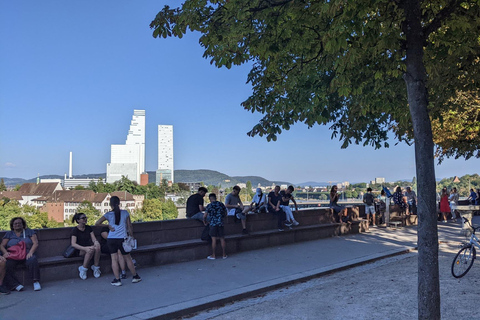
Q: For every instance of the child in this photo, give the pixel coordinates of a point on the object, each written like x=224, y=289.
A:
x=216, y=212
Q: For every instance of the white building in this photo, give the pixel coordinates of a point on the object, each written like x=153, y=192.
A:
x=165, y=154
x=379, y=180
x=129, y=159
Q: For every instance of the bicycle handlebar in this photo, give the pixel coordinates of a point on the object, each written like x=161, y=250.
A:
x=465, y=220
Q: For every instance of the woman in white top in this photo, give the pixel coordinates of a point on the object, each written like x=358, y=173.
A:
x=118, y=223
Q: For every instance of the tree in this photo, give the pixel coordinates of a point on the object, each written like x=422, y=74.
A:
x=92, y=214
x=457, y=132
x=3, y=187
x=359, y=66
x=79, y=187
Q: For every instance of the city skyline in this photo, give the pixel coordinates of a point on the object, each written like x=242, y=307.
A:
x=74, y=88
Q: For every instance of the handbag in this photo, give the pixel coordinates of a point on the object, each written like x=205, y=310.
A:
x=70, y=252
x=18, y=251
x=129, y=243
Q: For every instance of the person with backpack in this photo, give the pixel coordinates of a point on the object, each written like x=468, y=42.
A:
x=369, y=201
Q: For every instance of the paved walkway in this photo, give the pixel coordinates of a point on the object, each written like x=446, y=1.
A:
x=172, y=290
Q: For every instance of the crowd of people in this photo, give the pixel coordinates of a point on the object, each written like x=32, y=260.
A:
x=276, y=202
x=19, y=245
x=119, y=226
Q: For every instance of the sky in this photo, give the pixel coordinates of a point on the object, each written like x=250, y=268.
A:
x=72, y=72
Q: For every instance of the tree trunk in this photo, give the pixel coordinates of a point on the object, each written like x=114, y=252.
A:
x=415, y=79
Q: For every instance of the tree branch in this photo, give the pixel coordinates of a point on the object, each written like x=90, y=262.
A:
x=441, y=16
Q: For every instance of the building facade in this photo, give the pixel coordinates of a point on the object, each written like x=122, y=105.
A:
x=129, y=159
x=165, y=154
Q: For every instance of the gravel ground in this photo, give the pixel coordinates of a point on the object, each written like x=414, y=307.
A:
x=386, y=289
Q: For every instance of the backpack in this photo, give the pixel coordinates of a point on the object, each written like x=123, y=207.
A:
x=369, y=199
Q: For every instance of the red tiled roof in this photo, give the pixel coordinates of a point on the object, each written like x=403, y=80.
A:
x=124, y=196
x=40, y=189
x=14, y=195
x=72, y=196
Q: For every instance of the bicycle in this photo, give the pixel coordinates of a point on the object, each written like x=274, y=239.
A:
x=464, y=259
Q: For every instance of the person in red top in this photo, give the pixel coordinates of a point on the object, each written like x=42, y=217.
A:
x=444, y=205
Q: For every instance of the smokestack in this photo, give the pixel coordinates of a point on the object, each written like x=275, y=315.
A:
x=70, y=167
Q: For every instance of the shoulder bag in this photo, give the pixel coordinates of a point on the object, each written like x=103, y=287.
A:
x=129, y=243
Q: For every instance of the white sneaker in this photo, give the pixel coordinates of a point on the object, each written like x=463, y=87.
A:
x=82, y=272
x=96, y=271
x=295, y=223
x=37, y=286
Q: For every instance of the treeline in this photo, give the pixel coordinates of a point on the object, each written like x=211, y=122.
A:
x=152, y=210
x=466, y=182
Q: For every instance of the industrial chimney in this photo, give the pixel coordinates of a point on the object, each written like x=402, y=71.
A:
x=70, y=167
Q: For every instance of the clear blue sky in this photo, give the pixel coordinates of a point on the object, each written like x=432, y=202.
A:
x=71, y=73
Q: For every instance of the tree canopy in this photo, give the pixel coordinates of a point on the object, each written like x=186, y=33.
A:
x=338, y=63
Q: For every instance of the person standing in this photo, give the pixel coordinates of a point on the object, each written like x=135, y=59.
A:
x=473, y=197
x=369, y=201
x=453, y=203
x=411, y=200
x=235, y=207
x=216, y=212
x=444, y=206
x=195, y=206
x=118, y=223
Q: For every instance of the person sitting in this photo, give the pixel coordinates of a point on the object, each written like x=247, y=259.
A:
x=195, y=206
x=400, y=200
x=341, y=211
x=3, y=267
x=235, y=207
x=216, y=212
x=18, y=233
x=104, y=249
x=83, y=239
x=274, y=200
x=259, y=203
x=286, y=197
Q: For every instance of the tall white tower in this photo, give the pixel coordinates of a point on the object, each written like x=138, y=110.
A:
x=129, y=159
x=165, y=154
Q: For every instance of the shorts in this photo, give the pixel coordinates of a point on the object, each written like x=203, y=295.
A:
x=114, y=245
x=216, y=231
x=337, y=208
x=369, y=209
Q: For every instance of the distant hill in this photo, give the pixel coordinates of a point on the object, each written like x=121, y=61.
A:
x=314, y=184
x=208, y=177
x=255, y=180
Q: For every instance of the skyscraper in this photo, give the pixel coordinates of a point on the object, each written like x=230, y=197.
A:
x=129, y=159
x=165, y=154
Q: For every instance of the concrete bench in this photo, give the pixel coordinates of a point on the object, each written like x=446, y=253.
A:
x=164, y=242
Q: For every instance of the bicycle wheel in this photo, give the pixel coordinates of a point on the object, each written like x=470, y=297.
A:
x=463, y=261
